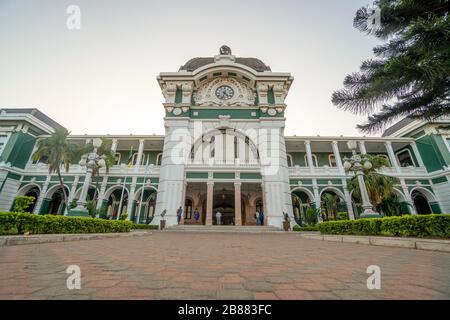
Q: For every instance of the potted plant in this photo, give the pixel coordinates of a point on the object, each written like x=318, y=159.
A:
x=286, y=222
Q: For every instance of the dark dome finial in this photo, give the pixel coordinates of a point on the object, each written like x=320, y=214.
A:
x=225, y=50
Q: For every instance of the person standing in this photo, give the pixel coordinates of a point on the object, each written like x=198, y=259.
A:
x=179, y=213
x=257, y=218
x=196, y=215
x=219, y=218
x=261, y=218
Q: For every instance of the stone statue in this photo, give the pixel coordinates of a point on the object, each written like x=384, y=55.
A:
x=225, y=50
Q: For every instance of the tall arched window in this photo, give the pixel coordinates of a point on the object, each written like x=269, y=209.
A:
x=212, y=147
x=314, y=158
x=290, y=163
x=159, y=159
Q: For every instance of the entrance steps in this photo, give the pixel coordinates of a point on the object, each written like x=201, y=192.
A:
x=223, y=229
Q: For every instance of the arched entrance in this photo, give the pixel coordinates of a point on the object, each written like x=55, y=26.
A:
x=116, y=202
x=33, y=191
x=301, y=201
x=56, y=204
x=332, y=201
x=144, y=211
x=223, y=202
x=421, y=203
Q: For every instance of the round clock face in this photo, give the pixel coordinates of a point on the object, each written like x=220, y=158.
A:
x=224, y=93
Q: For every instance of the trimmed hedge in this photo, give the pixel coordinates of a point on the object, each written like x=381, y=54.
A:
x=145, y=226
x=432, y=225
x=19, y=223
x=306, y=228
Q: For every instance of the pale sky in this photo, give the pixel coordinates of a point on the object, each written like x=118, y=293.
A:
x=101, y=79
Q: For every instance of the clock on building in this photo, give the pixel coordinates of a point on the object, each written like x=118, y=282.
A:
x=224, y=92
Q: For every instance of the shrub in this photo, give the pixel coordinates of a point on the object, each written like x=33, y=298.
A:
x=309, y=228
x=91, y=208
x=342, y=216
x=19, y=223
x=145, y=226
x=311, y=215
x=432, y=225
x=123, y=216
x=21, y=203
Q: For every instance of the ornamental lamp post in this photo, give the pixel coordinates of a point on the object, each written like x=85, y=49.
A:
x=357, y=164
x=91, y=161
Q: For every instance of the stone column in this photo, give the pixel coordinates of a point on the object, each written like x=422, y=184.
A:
x=392, y=156
x=42, y=195
x=131, y=196
x=263, y=195
x=348, y=200
x=101, y=195
x=309, y=156
x=317, y=198
x=140, y=153
x=73, y=189
x=417, y=153
x=337, y=157
x=209, y=203
x=114, y=145
x=237, y=204
x=362, y=147
x=183, y=198
x=407, y=196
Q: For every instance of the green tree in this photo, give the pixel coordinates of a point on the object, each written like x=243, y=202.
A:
x=59, y=152
x=22, y=203
x=392, y=206
x=409, y=76
x=330, y=202
x=378, y=186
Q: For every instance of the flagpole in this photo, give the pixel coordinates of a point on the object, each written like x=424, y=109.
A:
x=140, y=202
x=121, y=199
x=142, y=193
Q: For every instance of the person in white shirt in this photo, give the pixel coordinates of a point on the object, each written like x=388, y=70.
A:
x=257, y=218
x=219, y=218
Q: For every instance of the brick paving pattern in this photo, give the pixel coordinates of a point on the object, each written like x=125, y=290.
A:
x=220, y=266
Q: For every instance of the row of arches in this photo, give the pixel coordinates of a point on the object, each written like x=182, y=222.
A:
x=115, y=200
x=303, y=198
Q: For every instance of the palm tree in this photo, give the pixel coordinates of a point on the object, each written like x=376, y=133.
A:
x=392, y=206
x=408, y=77
x=58, y=151
x=330, y=202
x=378, y=186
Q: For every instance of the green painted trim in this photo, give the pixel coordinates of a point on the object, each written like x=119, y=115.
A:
x=251, y=175
x=197, y=175
x=422, y=181
x=224, y=175
x=13, y=176
x=439, y=180
x=325, y=181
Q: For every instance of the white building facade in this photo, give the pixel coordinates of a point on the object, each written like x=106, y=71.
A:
x=224, y=149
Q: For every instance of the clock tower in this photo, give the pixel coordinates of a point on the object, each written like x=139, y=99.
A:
x=224, y=127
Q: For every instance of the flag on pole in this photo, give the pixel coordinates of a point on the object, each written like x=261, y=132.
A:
x=130, y=158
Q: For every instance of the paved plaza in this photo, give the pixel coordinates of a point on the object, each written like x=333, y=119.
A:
x=181, y=265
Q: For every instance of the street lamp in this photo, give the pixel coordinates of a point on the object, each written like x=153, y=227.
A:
x=357, y=163
x=91, y=161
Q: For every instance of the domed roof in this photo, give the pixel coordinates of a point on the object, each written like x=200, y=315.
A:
x=195, y=63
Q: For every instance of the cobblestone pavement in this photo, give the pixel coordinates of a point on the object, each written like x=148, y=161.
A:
x=220, y=266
